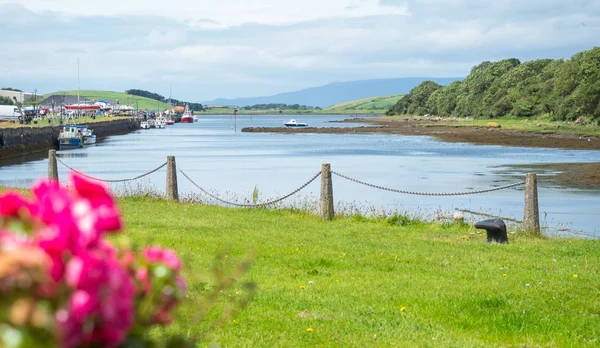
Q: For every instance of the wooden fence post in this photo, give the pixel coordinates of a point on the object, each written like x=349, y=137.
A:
x=531, y=218
x=326, y=193
x=172, y=192
x=52, y=167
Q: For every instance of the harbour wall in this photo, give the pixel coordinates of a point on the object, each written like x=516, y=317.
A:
x=26, y=139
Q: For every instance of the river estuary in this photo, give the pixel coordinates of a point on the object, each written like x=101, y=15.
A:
x=231, y=164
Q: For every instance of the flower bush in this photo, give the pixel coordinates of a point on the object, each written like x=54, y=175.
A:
x=62, y=283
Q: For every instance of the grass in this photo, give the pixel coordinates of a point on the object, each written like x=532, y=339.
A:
x=541, y=124
x=124, y=98
x=376, y=282
x=373, y=104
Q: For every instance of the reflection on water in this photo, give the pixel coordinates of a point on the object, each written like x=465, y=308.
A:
x=227, y=162
x=16, y=160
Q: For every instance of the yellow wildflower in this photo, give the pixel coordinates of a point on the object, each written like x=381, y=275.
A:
x=402, y=309
x=504, y=275
x=309, y=329
x=302, y=287
x=575, y=276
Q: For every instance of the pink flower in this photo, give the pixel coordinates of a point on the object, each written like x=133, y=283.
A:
x=12, y=204
x=165, y=256
x=106, y=213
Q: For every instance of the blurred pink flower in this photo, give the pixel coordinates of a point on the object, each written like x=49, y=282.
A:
x=164, y=256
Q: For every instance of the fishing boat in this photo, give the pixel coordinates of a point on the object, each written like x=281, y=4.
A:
x=71, y=137
x=187, y=115
x=170, y=121
x=88, y=135
x=161, y=122
x=144, y=125
x=151, y=124
x=295, y=124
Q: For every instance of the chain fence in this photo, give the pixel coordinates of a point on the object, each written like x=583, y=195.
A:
x=428, y=193
x=250, y=205
x=108, y=180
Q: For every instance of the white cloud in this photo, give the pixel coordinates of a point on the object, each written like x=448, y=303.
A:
x=233, y=48
x=220, y=13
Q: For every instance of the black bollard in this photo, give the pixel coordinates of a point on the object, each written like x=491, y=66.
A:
x=496, y=230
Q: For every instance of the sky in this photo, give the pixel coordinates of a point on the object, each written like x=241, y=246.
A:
x=206, y=49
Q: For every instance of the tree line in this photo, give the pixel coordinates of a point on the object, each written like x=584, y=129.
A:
x=567, y=90
x=6, y=101
x=279, y=106
x=156, y=96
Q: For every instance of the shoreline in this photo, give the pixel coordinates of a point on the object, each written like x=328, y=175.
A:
x=23, y=141
x=571, y=175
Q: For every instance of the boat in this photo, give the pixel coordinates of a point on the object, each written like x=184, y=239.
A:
x=170, y=121
x=295, y=124
x=187, y=116
x=70, y=137
x=195, y=118
x=161, y=122
x=88, y=135
x=144, y=125
x=151, y=124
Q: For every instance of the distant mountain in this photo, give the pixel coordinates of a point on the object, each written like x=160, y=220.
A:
x=337, y=92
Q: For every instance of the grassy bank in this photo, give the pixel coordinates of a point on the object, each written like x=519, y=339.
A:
x=542, y=125
x=228, y=111
x=367, y=105
x=359, y=282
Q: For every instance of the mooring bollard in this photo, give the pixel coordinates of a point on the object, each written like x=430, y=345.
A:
x=326, y=193
x=172, y=193
x=531, y=218
x=52, y=168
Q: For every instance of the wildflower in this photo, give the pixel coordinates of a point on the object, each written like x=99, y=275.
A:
x=310, y=283
x=575, y=276
x=527, y=285
x=297, y=249
x=402, y=309
x=309, y=329
x=302, y=287
x=337, y=281
x=504, y=275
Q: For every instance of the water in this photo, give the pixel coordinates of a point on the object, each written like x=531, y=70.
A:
x=232, y=164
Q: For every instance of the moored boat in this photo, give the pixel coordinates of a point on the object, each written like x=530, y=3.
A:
x=70, y=137
x=187, y=116
x=295, y=124
x=88, y=135
x=144, y=125
x=161, y=122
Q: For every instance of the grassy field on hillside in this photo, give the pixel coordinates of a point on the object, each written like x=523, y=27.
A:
x=374, y=104
x=124, y=98
x=358, y=282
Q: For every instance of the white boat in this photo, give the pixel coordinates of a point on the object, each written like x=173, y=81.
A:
x=144, y=125
x=195, y=118
x=70, y=137
x=295, y=124
x=161, y=122
x=88, y=135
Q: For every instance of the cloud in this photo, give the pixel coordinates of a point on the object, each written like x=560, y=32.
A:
x=207, y=50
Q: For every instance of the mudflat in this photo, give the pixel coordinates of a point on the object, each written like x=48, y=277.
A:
x=577, y=175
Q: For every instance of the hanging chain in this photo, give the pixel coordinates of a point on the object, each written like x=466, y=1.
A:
x=107, y=180
x=427, y=193
x=251, y=205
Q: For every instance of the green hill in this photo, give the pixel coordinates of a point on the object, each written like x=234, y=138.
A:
x=124, y=98
x=375, y=104
x=566, y=90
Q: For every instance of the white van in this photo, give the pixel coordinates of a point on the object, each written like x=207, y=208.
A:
x=9, y=113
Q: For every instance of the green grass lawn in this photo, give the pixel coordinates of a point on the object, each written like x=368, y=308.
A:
x=358, y=282
x=124, y=98
x=373, y=104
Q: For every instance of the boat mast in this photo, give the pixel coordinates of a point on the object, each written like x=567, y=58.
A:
x=78, y=106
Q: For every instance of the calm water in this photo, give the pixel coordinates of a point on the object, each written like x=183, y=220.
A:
x=232, y=164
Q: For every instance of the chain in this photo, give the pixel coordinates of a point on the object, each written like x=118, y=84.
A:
x=251, y=205
x=117, y=180
x=428, y=193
